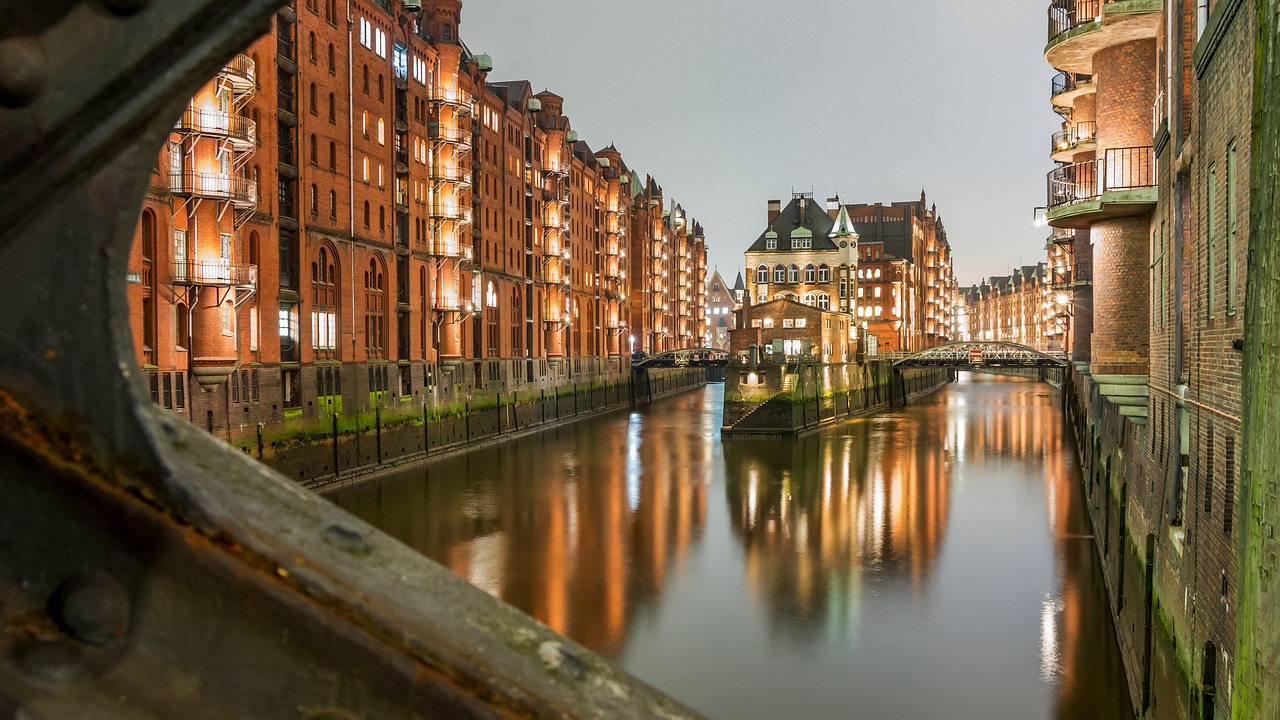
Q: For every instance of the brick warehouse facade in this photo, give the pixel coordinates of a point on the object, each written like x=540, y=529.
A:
x=1152, y=204
x=1015, y=308
x=353, y=216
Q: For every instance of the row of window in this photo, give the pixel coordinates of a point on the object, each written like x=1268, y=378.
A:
x=782, y=274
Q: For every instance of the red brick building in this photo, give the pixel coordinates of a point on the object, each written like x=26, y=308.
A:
x=1150, y=196
x=1015, y=308
x=354, y=215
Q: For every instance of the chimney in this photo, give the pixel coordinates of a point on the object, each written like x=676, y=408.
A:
x=833, y=206
x=775, y=209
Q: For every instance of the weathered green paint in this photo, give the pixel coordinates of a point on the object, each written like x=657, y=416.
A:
x=1256, y=681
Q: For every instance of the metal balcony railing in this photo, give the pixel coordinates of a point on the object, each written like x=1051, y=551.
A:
x=1066, y=81
x=1119, y=169
x=217, y=124
x=1065, y=15
x=446, y=212
x=239, y=191
x=213, y=273
x=1078, y=134
x=240, y=71
x=450, y=135
x=1083, y=272
x=458, y=175
x=447, y=96
x=446, y=249
x=452, y=304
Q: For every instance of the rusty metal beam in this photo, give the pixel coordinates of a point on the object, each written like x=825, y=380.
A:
x=147, y=570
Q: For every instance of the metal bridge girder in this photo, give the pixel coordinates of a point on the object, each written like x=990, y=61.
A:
x=146, y=569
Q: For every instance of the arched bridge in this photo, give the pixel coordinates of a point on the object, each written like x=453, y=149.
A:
x=962, y=355
x=685, y=357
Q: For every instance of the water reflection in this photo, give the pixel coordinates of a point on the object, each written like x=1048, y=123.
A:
x=929, y=562
x=579, y=531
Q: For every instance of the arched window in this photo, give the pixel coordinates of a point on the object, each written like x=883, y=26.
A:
x=793, y=273
x=313, y=149
x=810, y=273
x=333, y=205
x=148, y=236
x=333, y=157
x=779, y=274
x=253, y=248
x=311, y=97
x=315, y=200
x=366, y=213
x=332, y=116
x=382, y=132
x=381, y=87
x=517, y=312
x=182, y=330
x=374, y=308
x=382, y=219
x=824, y=301
x=824, y=273
x=809, y=299
x=324, y=299
x=333, y=67
x=447, y=32
x=366, y=79
x=311, y=45
x=762, y=274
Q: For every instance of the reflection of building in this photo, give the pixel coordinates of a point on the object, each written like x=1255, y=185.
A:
x=1011, y=308
x=814, y=515
x=720, y=307
x=581, y=541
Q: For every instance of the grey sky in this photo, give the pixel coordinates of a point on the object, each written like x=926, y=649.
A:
x=729, y=103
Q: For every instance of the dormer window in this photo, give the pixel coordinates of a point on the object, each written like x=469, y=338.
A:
x=771, y=240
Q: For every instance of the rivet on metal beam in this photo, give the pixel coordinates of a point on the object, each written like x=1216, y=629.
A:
x=23, y=71
x=91, y=606
x=126, y=7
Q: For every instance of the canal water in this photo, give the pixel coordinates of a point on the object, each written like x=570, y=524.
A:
x=928, y=562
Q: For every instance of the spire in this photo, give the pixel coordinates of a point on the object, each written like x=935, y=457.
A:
x=844, y=226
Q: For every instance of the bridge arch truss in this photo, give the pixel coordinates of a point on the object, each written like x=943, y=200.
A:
x=982, y=354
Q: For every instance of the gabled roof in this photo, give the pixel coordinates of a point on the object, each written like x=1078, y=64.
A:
x=813, y=222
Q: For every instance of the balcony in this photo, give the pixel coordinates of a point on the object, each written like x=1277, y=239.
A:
x=456, y=175
x=240, y=73
x=1080, y=28
x=449, y=135
x=556, y=169
x=214, y=274
x=451, y=305
x=240, y=131
x=447, y=249
x=450, y=212
x=1066, y=87
x=1122, y=183
x=452, y=97
x=1081, y=137
x=241, y=192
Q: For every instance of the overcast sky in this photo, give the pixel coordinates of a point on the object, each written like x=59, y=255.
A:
x=729, y=103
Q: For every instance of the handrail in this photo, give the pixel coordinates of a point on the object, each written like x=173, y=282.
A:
x=1119, y=169
x=214, y=122
x=215, y=272
x=1066, y=15
x=214, y=185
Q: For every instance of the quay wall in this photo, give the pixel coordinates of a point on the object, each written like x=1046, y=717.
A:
x=336, y=449
x=788, y=400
